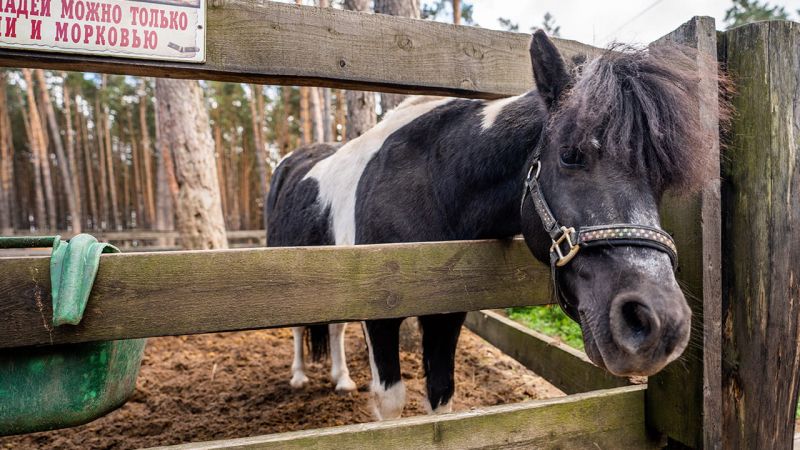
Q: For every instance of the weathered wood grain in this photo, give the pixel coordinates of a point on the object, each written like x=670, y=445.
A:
x=683, y=400
x=566, y=368
x=612, y=419
x=761, y=238
x=156, y=294
x=275, y=43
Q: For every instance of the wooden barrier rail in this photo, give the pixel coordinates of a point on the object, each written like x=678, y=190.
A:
x=566, y=368
x=276, y=43
x=158, y=294
x=611, y=419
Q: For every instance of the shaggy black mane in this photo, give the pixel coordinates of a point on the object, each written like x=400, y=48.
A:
x=642, y=105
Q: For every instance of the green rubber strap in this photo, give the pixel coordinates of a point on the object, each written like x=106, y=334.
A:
x=73, y=267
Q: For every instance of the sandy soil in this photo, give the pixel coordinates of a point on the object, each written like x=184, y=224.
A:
x=221, y=386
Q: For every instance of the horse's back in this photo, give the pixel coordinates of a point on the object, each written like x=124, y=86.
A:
x=293, y=216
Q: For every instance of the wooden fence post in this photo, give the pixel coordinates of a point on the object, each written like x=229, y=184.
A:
x=683, y=401
x=761, y=237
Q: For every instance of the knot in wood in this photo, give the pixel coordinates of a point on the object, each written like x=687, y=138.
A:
x=391, y=299
x=404, y=42
x=472, y=50
x=342, y=63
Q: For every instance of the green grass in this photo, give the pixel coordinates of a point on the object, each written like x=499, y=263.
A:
x=551, y=321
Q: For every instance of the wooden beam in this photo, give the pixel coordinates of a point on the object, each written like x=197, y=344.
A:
x=275, y=43
x=761, y=239
x=683, y=399
x=566, y=368
x=158, y=294
x=602, y=419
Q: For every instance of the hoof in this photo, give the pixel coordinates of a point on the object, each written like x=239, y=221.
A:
x=345, y=385
x=298, y=380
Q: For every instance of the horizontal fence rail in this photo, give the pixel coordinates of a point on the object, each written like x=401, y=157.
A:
x=160, y=294
x=274, y=43
x=603, y=419
x=566, y=368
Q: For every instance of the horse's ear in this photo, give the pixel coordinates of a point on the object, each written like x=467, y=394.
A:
x=549, y=69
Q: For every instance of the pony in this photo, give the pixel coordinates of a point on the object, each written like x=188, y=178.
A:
x=599, y=143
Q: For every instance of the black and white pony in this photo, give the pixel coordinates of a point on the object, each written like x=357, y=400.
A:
x=620, y=130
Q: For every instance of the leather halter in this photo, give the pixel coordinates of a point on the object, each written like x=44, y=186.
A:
x=567, y=241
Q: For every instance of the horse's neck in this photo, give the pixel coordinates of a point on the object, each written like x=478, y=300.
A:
x=490, y=178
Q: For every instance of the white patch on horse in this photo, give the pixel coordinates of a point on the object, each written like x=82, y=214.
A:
x=338, y=174
x=340, y=374
x=299, y=378
x=387, y=402
x=492, y=109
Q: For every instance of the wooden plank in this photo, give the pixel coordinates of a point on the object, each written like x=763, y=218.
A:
x=275, y=43
x=566, y=368
x=761, y=238
x=603, y=419
x=684, y=399
x=157, y=294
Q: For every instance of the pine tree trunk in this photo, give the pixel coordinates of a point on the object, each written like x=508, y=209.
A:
x=100, y=144
x=457, y=12
x=6, y=162
x=73, y=160
x=256, y=112
x=147, y=155
x=402, y=8
x=315, y=106
x=64, y=165
x=110, y=166
x=184, y=118
x=39, y=144
x=138, y=202
x=165, y=198
x=219, y=152
x=91, y=191
x=232, y=180
x=305, y=115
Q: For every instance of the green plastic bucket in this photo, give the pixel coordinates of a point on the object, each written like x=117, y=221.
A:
x=49, y=387
x=45, y=388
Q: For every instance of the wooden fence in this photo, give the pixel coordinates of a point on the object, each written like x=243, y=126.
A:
x=743, y=360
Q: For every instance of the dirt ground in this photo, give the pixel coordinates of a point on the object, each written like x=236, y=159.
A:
x=221, y=386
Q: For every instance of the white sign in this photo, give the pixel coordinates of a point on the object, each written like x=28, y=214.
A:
x=172, y=30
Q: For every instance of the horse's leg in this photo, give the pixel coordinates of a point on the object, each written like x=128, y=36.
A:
x=340, y=374
x=388, y=391
x=439, y=338
x=299, y=378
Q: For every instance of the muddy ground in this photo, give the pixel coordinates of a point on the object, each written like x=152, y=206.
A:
x=222, y=386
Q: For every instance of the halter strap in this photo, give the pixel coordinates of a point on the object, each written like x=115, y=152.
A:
x=567, y=241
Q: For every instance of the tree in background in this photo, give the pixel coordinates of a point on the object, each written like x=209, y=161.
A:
x=746, y=11
x=445, y=10
x=185, y=128
x=548, y=25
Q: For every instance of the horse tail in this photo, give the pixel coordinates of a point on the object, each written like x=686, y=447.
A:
x=317, y=340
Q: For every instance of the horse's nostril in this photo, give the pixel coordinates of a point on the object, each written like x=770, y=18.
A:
x=634, y=325
x=636, y=318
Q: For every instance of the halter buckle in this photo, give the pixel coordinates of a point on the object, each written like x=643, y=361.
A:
x=566, y=235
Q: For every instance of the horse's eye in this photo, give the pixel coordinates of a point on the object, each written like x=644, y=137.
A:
x=572, y=158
